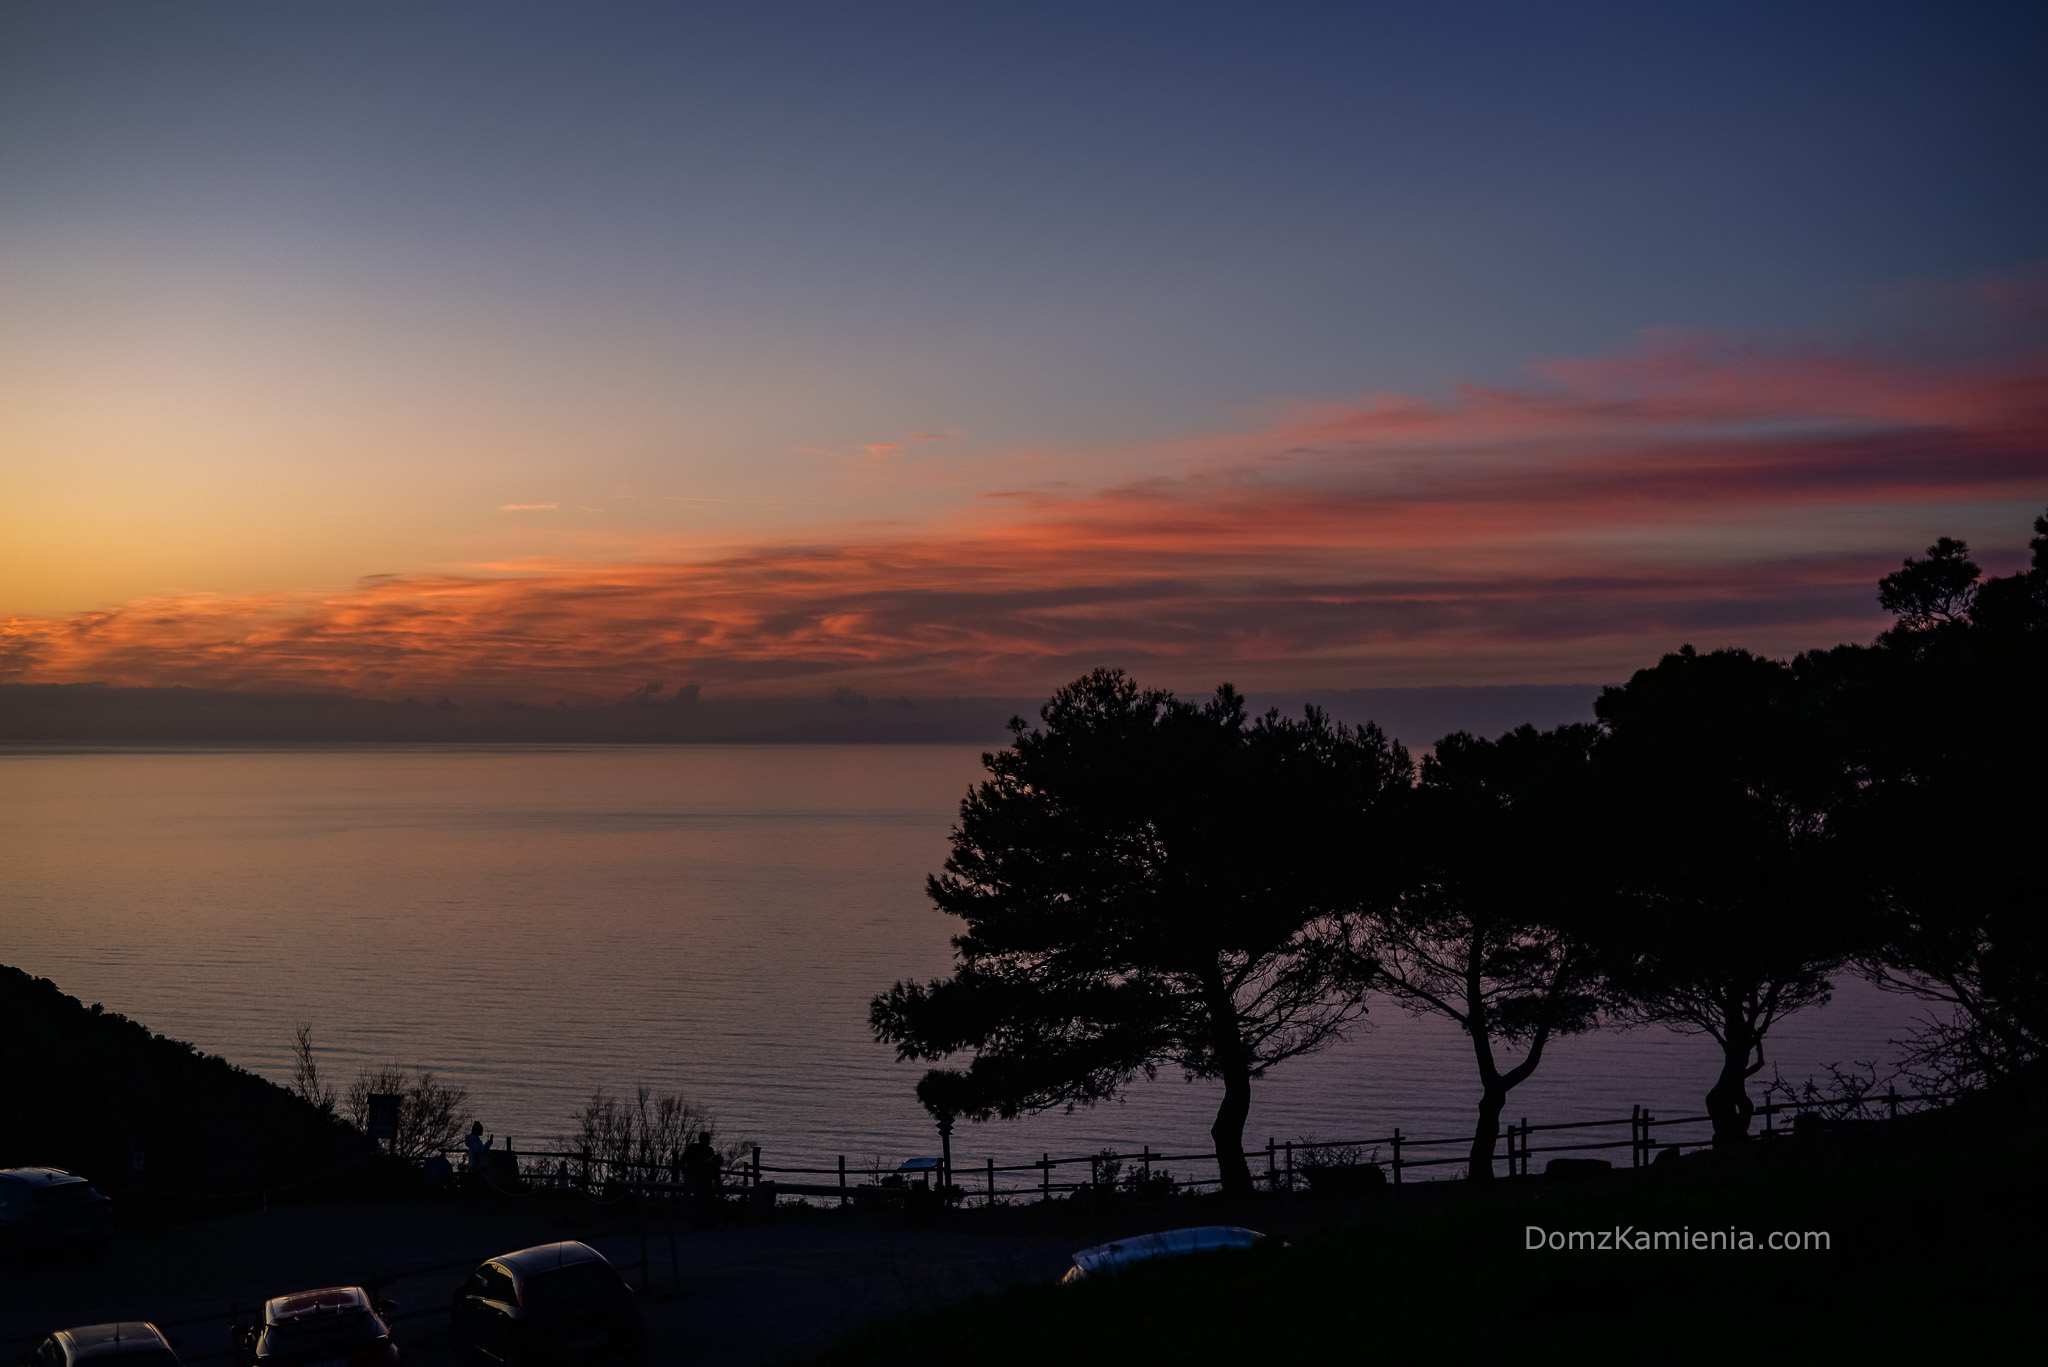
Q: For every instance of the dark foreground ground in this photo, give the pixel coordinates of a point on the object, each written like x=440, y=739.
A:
x=1928, y=1256
x=756, y=1293
x=776, y=1288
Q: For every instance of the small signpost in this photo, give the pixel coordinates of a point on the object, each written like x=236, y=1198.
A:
x=383, y=1117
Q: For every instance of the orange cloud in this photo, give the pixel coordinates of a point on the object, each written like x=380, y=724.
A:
x=1565, y=532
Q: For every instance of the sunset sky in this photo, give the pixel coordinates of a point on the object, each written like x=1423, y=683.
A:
x=545, y=351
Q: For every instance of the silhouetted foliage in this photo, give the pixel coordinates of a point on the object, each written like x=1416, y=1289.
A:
x=1934, y=591
x=1944, y=724
x=648, y=1131
x=1146, y=881
x=1718, y=783
x=1495, y=930
x=431, y=1113
x=307, y=1084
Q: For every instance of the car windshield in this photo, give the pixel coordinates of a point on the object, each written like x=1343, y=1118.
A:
x=65, y=1194
x=321, y=1331
x=581, y=1286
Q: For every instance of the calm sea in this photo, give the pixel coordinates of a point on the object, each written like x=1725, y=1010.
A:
x=537, y=922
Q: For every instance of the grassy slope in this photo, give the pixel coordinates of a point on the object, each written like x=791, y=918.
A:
x=1928, y=1258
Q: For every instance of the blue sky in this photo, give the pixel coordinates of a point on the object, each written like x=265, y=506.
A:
x=295, y=293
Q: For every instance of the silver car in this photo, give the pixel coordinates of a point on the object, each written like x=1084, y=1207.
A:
x=1167, y=1243
x=131, y=1344
x=50, y=1213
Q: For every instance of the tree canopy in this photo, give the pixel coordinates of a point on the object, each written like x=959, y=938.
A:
x=1495, y=927
x=1717, y=786
x=1149, y=882
x=1944, y=723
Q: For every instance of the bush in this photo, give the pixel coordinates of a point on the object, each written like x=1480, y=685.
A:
x=626, y=1138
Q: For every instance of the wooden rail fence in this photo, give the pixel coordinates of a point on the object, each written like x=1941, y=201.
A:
x=1281, y=1166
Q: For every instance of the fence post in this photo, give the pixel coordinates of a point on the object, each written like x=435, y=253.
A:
x=1891, y=1099
x=757, y=1165
x=991, y=1182
x=1290, y=1172
x=1045, y=1177
x=842, y=1181
x=1148, y=1169
x=1397, y=1155
x=1525, y=1146
x=1270, y=1168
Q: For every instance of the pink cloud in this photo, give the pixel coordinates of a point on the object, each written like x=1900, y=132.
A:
x=1568, y=530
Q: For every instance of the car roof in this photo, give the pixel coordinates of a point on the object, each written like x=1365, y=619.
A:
x=528, y=1262
x=301, y=1305
x=1167, y=1243
x=105, y=1340
x=42, y=1177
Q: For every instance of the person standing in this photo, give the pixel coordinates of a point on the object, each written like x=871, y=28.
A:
x=701, y=1173
x=477, y=1146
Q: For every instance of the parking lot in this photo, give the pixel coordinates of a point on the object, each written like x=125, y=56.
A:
x=762, y=1292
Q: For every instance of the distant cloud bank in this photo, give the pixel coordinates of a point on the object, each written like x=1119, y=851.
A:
x=1564, y=531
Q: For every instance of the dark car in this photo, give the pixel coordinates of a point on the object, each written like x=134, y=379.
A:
x=50, y=1213
x=336, y=1326
x=133, y=1344
x=555, y=1303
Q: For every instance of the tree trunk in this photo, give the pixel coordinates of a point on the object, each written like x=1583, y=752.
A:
x=1728, y=1103
x=1234, y=1066
x=1228, y=1131
x=1493, y=1099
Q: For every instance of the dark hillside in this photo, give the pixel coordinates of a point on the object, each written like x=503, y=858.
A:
x=90, y=1091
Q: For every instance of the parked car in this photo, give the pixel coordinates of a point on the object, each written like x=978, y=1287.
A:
x=912, y=1170
x=50, y=1213
x=551, y=1304
x=130, y=1344
x=1169, y=1243
x=336, y=1326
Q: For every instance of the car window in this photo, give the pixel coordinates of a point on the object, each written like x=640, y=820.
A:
x=49, y=1354
x=582, y=1286
x=68, y=1194
x=316, y=1332
x=498, y=1285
